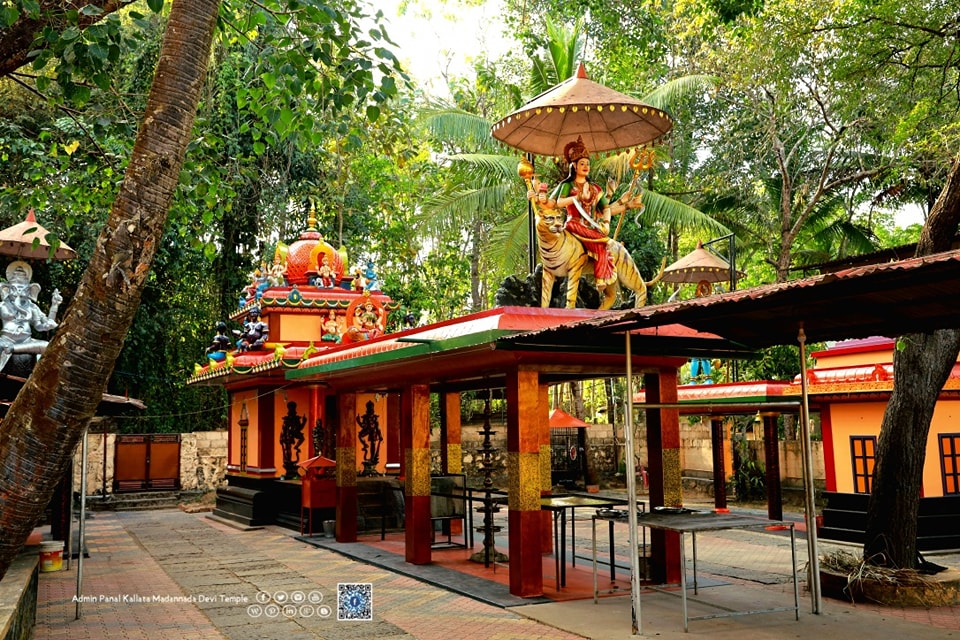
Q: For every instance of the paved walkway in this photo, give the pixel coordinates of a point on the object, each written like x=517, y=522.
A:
x=168, y=574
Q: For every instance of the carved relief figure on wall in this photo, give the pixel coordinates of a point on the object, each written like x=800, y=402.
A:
x=331, y=328
x=370, y=439
x=291, y=439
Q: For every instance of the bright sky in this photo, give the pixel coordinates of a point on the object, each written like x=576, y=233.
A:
x=435, y=37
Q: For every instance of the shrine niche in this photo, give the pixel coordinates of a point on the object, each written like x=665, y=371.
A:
x=365, y=318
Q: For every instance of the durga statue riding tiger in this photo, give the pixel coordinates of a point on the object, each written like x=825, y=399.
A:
x=573, y=232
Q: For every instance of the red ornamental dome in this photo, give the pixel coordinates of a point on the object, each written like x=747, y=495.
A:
x=301, y=256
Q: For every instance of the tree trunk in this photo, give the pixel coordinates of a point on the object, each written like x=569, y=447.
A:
x=920, y=369
x=42, y=427
x=477, y=302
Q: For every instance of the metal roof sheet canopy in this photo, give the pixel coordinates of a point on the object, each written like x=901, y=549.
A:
x=560, y=419
x=606, y=119
x=889, y=299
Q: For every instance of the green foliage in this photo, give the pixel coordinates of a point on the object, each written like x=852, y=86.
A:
x=286, y=76
x=301, y=102
x=781, y=362
x=750, y=481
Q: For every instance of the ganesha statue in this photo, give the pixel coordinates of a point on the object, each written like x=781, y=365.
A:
x=19, y=314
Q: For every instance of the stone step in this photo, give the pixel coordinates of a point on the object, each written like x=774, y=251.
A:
x=139, y=501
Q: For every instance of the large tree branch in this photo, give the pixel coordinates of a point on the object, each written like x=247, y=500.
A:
x=20, y=38
x=920, y=369
x=942, y=223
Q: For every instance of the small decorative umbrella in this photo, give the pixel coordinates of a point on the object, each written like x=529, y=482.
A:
x=701, y=267
x=560, y=419
x=28, y=239
x=607, y=120
x=318, y=462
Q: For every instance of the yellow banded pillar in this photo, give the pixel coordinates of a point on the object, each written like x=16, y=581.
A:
x=524, y=424
x=415, y=435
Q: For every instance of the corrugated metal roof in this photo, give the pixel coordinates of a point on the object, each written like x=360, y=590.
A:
x=891, y=299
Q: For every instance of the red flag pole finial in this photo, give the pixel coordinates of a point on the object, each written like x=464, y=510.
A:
x=581, y=70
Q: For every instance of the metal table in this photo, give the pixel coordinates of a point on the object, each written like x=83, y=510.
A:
x=611, y=517
x=684, y=521
x=558, y=505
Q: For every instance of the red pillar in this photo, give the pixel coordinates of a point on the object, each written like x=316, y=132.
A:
x=347, y=467
x=663, y=451
x=394, y=446
x=266, y=434
x=415, y=434
x=315, y=413
x=451, y=437
x=719, y=464
x=523, y=470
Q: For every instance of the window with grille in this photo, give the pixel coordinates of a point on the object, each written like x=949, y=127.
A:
x=950, y=462
x=863, y=451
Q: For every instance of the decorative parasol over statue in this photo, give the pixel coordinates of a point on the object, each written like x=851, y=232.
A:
x=29, y=240
x=605, y=119
x=584, y=114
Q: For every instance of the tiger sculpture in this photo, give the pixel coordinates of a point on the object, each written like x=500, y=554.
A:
x=562, y=254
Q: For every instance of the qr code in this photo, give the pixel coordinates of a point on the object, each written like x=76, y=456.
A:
x=354, y=601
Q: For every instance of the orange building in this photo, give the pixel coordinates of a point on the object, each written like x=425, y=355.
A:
x=850, y=387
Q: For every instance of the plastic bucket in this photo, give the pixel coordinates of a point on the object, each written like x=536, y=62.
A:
x=51, y=556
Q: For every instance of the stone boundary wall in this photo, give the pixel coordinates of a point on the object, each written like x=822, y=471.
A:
x=203, y=462
x=605, y=453
x=203, y=457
